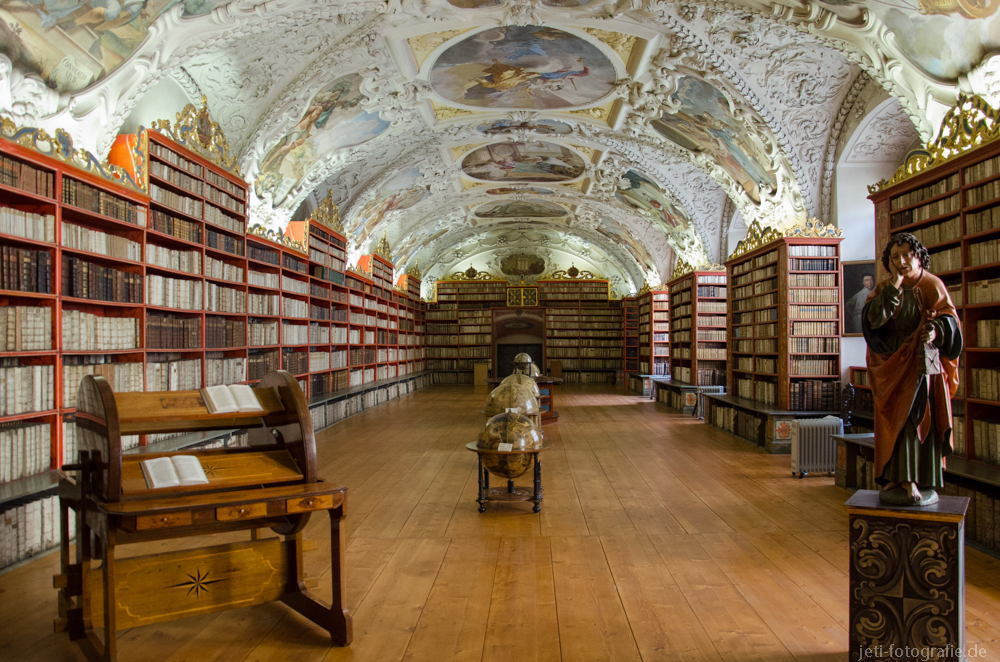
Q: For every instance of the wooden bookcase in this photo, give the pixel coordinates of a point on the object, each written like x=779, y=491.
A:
x=630, y=318
x=583, y=329
x=698, y=328
x=953, y=207
x=785, y=313
x=459, y=327
x=653, y=322
x=168, y=291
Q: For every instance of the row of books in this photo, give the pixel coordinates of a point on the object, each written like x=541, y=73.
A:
x=124, y=377
x=26, y=328
x=987, y=219
x=982, y=520
x=812, y=251
x=985, y=384
x=715, y=335
x=30, y=526
x=222, y=299
x=988, y=333
x=223, y=242
x=87, y=280
x=170, y=332
x=950, y=230
x=949, y=205
x=933, y=190
x=175, y=227
x=985, y=442
x=223, y=332
x=25, y=449
x=175, y=177
x=101, y=202
x=176, y=159
x=26, y=270
x=178, y=293
x=261, y=363
x=815, y=367
x=230, y=370
x=814, y=345
x=262, y=279
x=219, y=269
x=263, y=304
x=20, y=223
x=990, y=191
x=812, y=280
x=17, y=174
x=984, y=252
x=980, y=291
x=815, y=329
x=577, y=376
x=25, y=388
x=168, y=258
x=172, y=374
x=176, y=201
x=86, y=332
x=814, y=395
x=814, y=296
x=806, y=264
x=737, y=421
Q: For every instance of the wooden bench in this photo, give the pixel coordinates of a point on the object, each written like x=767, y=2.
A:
x=272, y=483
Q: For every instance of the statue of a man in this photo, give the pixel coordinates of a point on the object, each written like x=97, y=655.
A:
x=914, y=340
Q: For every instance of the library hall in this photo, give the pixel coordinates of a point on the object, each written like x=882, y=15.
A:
x=489, y=330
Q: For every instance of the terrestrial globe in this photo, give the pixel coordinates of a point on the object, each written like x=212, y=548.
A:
x=508, y=428
x=523, y=379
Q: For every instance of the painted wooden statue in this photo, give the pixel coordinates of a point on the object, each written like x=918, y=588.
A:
x=914, y=340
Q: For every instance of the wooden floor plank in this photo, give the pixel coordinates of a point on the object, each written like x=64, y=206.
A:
x=592, y=621
x=660, y=539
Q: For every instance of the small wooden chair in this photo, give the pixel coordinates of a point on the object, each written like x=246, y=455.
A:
x=271, y=483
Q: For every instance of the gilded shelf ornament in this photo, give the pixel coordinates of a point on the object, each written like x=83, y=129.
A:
x=382, y=249
x=645, y=289
x=756, y=237
x=61, y=147
x=327, y=214
x=195, y=130
x=279, y=237
x=713, y=267
x=414, y=271
x=970, y=124
x=573, y=274
x=449, y=112
x=681, y=268
x=472, y=274
x=813, y=228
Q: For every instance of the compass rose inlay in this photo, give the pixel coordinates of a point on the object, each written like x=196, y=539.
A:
x=199, y=582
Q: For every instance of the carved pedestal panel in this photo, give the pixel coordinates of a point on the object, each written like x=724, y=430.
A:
x=907, y=580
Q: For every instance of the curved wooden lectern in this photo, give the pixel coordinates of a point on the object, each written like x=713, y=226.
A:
x=271, y=483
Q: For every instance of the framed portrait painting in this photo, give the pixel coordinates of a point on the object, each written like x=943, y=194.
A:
x=859, y=281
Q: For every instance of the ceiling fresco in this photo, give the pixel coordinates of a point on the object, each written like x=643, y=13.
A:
x=523, y=162
x=524, y=67
x=511, y=132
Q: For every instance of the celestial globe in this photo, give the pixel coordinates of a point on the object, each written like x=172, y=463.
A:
x=508, y=428
x=512, y=395
x=527, y=381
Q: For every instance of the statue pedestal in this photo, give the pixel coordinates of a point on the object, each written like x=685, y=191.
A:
x=907, y=579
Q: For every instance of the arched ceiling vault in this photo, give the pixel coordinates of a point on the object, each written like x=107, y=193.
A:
x=614, y=134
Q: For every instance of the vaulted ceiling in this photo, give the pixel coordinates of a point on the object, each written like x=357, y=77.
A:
x=518, y=136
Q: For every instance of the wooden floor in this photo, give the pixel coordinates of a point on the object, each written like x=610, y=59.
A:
x=660, y=538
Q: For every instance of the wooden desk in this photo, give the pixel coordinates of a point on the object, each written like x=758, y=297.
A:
x=270, y=484
x=509, y=493
x=546, y=398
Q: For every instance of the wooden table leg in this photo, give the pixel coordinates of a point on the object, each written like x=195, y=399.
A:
x=537, y=497
x=484, y=482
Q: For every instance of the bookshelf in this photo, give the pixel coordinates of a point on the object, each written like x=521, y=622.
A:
x=785, y=311
x=630, y=319
x=951, y=202
x=459, y=326
x=862, y=419
x=583, y=330
x=697, y=354
x=168, y=291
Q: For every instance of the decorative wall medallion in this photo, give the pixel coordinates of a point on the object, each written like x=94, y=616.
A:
x=783, y=430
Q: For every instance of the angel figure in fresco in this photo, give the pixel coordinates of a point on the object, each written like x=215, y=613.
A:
x=914, y=340
x=504, y=77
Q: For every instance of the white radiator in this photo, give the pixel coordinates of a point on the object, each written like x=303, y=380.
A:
x=813, y=449
x=702, y=390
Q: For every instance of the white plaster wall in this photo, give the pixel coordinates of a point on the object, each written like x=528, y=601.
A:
x=163, y=101
x=855, y=214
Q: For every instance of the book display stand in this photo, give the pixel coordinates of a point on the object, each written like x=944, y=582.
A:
x=271, y=483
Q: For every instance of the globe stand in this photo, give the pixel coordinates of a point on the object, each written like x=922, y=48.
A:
x=510, y=493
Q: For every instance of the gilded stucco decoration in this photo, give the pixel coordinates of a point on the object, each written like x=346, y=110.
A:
x=970, y=124
x=60, y=146
x=756, y=237
x=195, y=129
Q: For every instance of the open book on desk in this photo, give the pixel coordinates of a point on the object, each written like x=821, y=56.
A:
x=230, y=399
x=173, y=471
